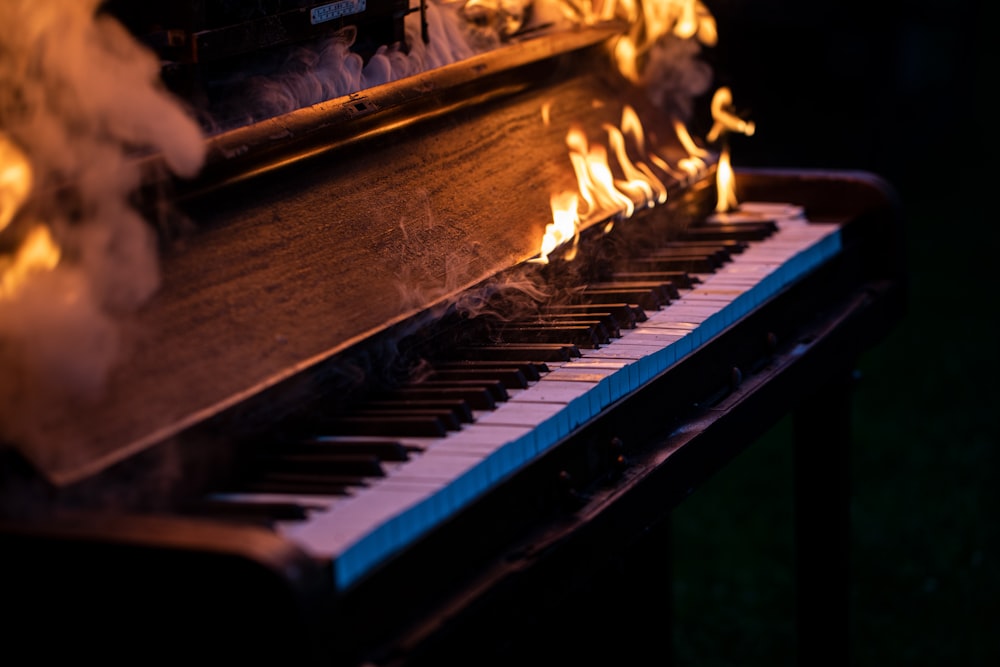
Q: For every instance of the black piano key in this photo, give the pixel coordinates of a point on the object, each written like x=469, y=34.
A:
x=647, y=299
x=530, y=370
x=386, y=426
x=542, y=352
x=457, y=407
x=588, y=336
x=510, y=377
x=495, y=388
x=601, y=331
x=253, y=511
x=730, y=246
x=715, y=255
x=325, y=464
x=686, y=264
x=385, y=450
x=682, y=279
x=301, y=486
x=749, y=231
x=479, y=398
x=608, y=323
x=448, y=418
x=626, y=316
x=664, y=289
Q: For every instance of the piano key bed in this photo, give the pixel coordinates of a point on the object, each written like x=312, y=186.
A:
x=395, y=473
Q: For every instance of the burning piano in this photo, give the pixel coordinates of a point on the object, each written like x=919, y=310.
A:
x=370, y=333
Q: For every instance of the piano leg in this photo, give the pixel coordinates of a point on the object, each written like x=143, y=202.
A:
x=822, y=439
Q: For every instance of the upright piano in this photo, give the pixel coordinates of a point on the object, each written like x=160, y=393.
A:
x=365, y=421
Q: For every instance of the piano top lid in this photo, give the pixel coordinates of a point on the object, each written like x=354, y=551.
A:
x=295, y=265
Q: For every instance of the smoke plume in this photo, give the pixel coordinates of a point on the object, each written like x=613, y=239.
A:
x=79, y=98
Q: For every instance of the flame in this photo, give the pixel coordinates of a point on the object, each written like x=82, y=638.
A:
x=594, y=176
x=725, y=184
x=600, y=192
x=605, y=190
x=725, y=119
x=565, y=226
x=626, y=56
x=690, y=146
x=683, y=18
x=15, y=180
x=653, y=20
x=725, y=122
x=547, y=113
x=37, y=253
x=632, y=126
x=693, y=164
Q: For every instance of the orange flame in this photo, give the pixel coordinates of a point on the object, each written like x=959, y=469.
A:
x=565, y=226
x=690, y=146
x=725, y=184
x=15, y=180
x=632, y=126
x=594, y=177
x=601, y=193
x=37, y=253
x=725, y=119
x=725, y=122
x=654, y=19
x=693, y=164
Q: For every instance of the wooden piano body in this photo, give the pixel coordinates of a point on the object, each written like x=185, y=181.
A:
x=294, y=275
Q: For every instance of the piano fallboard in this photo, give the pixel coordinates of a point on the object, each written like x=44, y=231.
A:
x=502, y=563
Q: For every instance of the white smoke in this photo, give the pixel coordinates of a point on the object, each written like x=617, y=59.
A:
x=674, y=76
x=80, y=98
x=314, y=73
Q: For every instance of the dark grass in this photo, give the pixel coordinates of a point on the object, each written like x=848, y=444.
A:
x=896, y=94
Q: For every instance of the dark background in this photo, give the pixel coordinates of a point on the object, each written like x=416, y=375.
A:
x=892, y=88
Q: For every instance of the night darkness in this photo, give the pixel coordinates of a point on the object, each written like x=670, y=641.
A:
x=891, y=88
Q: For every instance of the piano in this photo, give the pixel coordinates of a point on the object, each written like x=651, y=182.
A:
x=361, y=423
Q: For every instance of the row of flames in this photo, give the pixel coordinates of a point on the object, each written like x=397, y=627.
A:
x=599, y=191
x=606, y=197
x=601, y=196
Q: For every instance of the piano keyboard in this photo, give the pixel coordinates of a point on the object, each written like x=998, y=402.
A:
x=418, y=479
